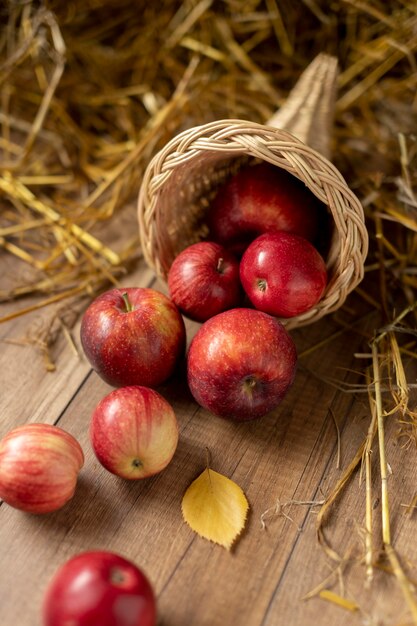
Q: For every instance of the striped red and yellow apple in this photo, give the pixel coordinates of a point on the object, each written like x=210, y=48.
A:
x=134, y=432
x=39, y=466
x=204, y=280
x=240, y=364
x=283, y=274
x=133, y=336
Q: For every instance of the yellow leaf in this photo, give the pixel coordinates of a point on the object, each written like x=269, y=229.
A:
x=215, y=508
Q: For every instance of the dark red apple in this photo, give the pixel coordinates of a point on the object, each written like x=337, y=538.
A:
x=204, y=280
x=39, y=466
x=240, y=364
x=133, y=336
x=99, y=589
x=263, y=198
x=283, y=274
x=134, y=432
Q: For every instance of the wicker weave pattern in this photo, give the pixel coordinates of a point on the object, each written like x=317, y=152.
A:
x=183, y=177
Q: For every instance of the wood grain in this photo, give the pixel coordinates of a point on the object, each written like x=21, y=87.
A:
x=289, y=455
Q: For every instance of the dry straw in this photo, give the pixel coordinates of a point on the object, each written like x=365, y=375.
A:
x=183, y=177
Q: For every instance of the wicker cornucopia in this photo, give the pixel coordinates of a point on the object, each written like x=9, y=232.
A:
x=182, y=179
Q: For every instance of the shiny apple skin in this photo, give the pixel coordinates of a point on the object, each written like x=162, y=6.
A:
x=99, y=589
x=39, y=466
x=283, y=274
x=138, y=347
x=134, y=432
x=240, y=364
x=263, y=198
x=204, y=280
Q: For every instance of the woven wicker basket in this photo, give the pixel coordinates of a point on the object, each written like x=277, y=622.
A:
x=182, y=179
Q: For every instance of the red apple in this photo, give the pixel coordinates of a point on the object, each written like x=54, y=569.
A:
x=263, y=198
x=39, y=466
x=204, y=280
x=133, y=336
x=99, y=589
x=283, y=274
x=240, y=364
x=134, y=432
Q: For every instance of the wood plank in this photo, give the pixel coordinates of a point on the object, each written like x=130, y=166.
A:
x=380, y=601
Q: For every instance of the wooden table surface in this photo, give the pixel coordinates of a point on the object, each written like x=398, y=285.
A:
x=288, y=457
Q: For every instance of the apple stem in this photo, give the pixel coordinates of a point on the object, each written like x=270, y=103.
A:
x=220, y=265
x=127, y=302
